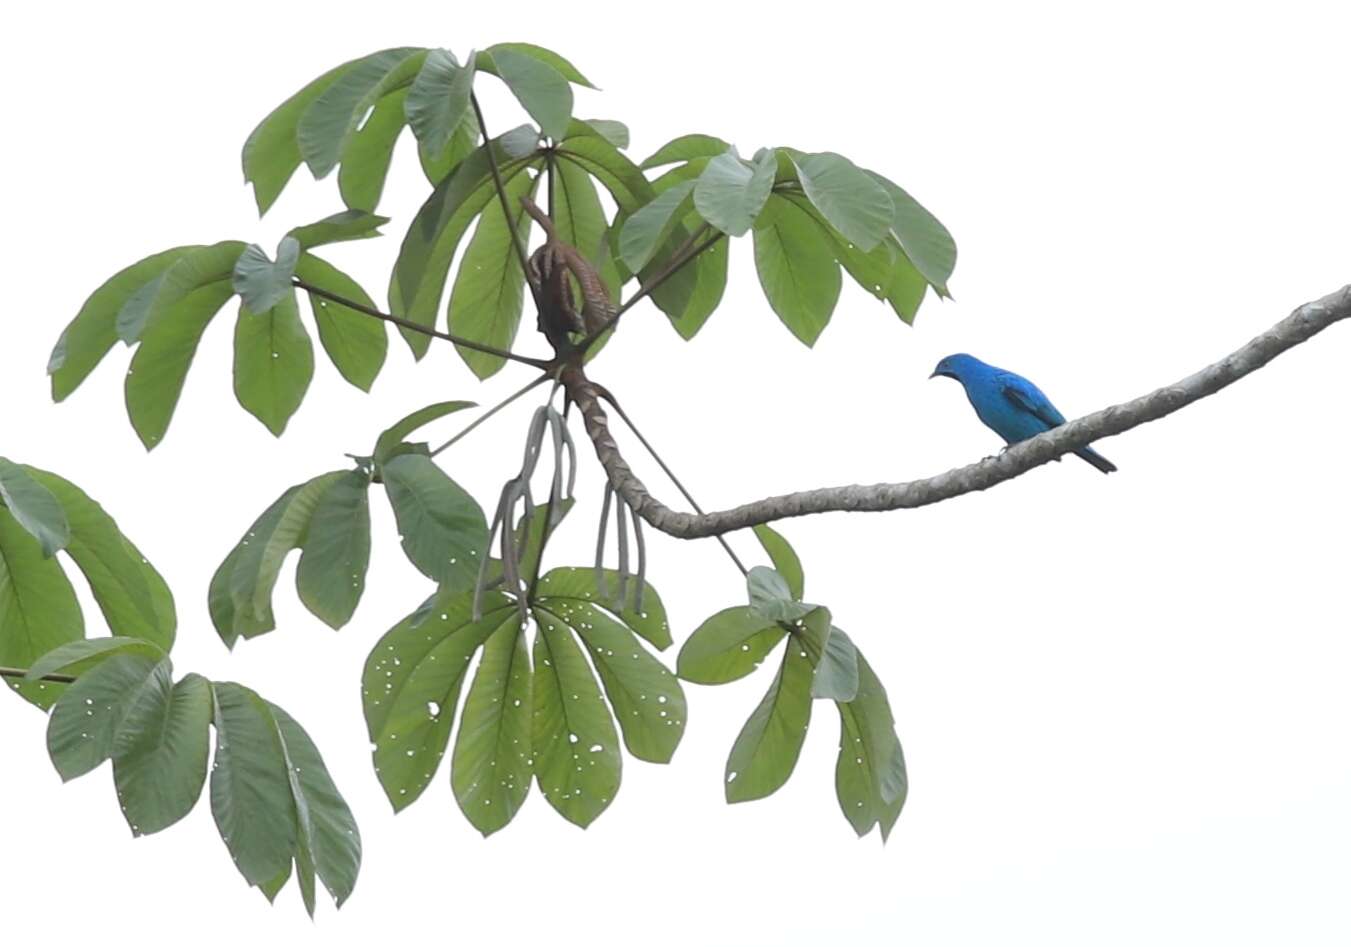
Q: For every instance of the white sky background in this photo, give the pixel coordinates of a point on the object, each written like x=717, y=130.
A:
x=1123, y=700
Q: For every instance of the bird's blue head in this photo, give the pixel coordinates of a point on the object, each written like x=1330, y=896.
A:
x=959, y=366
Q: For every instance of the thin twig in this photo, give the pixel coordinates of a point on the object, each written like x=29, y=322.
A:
x=491, y=411
x=51, y=678
x=415, y=326
x=677, y=262
x=506, y=205
x=670, y=474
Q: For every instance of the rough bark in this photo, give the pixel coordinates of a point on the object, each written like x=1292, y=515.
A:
x=1302, y=324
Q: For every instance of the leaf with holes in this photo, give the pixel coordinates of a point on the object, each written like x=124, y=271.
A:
x=576, y=749
x=646, y=698
x=491, y=766
x=160, y=783
x=86, y=725
x=411, y=686
x=728, y=646
x=274, y=362
x=767, y=748
x=870, y=779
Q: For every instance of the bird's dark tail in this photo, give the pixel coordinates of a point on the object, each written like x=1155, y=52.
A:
x=1096, y=459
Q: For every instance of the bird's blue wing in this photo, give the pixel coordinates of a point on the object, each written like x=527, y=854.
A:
x=1028, y=397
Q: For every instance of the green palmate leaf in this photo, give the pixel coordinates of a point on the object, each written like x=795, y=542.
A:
x=38, y=608
x=274, y=362
x=884, y=271
x=925, y=241
x=329, y=122
x=463, y=141
x=439, y=99
x=489, y=292
x=91, y=334
x=785, y=560
x=262, y=283
x=577, y=587
x=338, y=228
x=540, y=88
x=730, y=194
x=420, y=272
x=578, y=214
x=272, y=154
x=192, y=292
x=411, y=685
x=870, y=779
x=327, y=840
x=647, y=229
x=367, y=156
x=34, y=507
x=686, y=148
x=159, y=783
x=441, y=527
x=332, y=571
x=607, y=164
x=491, y=766
x=240, y=597
x=250, y=791
x=547, y=56
x=797, y=269
x=646, y=697
x=398, y=432
x=688, y=312
x=79, y=656
x=576, y=749
x=767, y=748
x=86, y=725
x=134, y=598
x=616, y=133
x=356, y=343
x=849, y=198
x=728, y=646
x=771, y=596
x=272, y=888
x=836, y=666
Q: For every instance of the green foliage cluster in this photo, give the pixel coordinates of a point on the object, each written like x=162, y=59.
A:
x=550, y=708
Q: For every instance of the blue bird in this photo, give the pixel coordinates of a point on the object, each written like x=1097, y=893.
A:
x=1009, y=404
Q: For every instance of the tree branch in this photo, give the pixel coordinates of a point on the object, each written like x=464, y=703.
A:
x=1301, y=325
x=507, y=218
x=415, y=326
